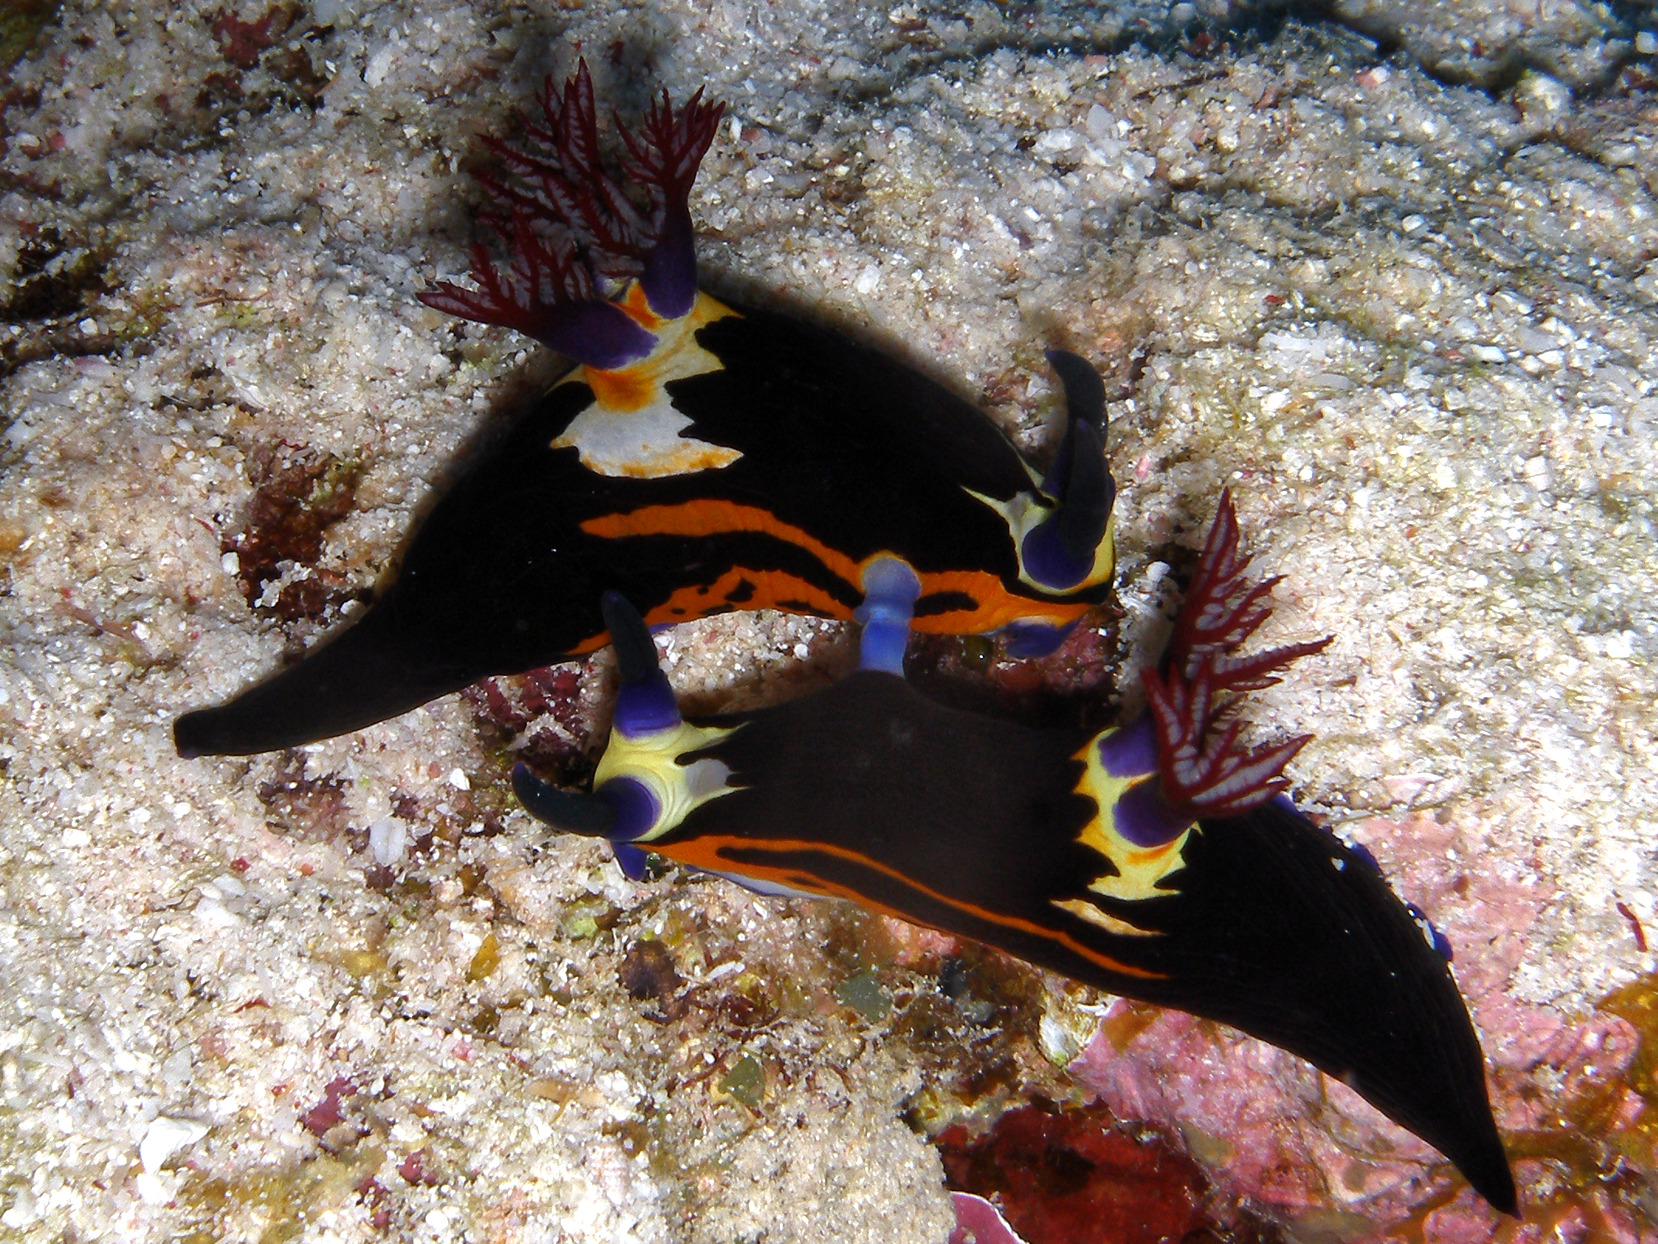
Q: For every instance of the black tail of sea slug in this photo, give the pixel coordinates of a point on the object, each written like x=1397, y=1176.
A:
x=698, y=457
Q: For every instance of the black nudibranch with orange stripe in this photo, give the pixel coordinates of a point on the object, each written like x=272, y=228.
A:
x=1159, y=859
x=699, y=458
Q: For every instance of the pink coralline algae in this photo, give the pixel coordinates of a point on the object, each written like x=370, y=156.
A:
x=326, y=1115
x=1574, y=1100
x=980, y=1222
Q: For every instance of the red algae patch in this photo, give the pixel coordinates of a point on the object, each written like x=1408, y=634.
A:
x=298, y=495
x=1080, y=1176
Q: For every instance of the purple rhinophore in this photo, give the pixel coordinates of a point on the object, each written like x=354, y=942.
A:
x=636, y=808
x=630, y=859
x=670, y=276
x=646, y=707
x=1024, y=639
x=597, y=334
x=1048, y=561
x=1146, y=818
x=1131, y=750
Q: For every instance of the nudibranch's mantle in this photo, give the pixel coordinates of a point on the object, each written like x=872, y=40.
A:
x=633, y=427
x=699, y=458
x=1159, y=860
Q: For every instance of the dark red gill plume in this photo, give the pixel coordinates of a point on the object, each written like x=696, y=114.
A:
x=568, y=236
x=1202, y=765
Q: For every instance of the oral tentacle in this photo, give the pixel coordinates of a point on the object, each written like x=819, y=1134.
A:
x=568, y=811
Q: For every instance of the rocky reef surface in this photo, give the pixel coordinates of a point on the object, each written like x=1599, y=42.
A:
x=1391, y=280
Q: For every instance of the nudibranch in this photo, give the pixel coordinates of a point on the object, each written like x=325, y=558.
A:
x=1160, y=859
x=699, y=457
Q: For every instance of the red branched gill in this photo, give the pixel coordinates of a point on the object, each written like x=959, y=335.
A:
x=1223, y=608
x=1201, y=764
x=1194, y=699
x=570, y=237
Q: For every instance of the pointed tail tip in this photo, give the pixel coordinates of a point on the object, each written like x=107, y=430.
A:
x=225, y=730
x=1492, y=1178
x=188, y=732
x=1469, y=1138
x=320, y=698
x=310, y=702
x=267, y=717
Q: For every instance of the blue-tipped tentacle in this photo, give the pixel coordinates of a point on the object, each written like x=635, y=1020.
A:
x=645, y=704
x=621, y=810
x=564, y=810
x=1060, y=551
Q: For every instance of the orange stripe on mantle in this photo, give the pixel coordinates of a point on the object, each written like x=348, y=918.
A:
x=704, y=852
x=995, y=606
